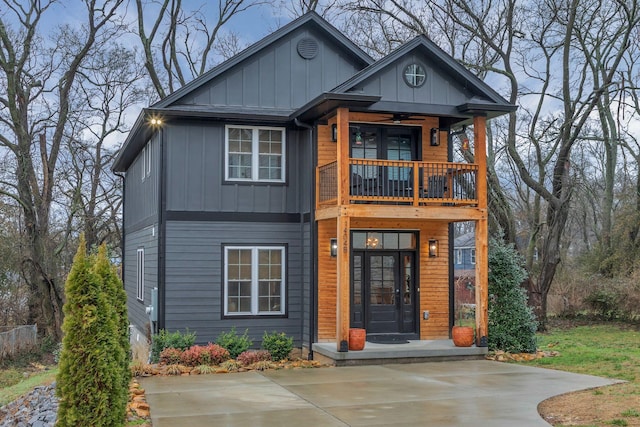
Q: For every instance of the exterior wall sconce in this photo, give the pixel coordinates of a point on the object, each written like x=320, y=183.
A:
x=433, y=248
x=334, y=247
x=334, y=132
x=435, y=137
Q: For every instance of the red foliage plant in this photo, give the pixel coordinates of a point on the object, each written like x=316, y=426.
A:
x=170, y=356
x=249, y=357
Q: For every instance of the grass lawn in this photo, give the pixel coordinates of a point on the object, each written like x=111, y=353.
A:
x=603, y=349
x=23, y=385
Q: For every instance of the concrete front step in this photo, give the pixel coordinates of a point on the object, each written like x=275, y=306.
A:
x=411, y=352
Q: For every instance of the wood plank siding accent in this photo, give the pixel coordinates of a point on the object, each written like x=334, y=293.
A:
x=327, y=280
x=341, y=210
x=433, y=274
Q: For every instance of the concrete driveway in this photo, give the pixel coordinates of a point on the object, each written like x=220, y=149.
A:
x=461, y=393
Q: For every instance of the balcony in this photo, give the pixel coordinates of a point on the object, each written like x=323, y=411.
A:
x=397, y=182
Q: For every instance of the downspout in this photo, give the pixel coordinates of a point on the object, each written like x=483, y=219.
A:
x=313, y=237
x=162, y=227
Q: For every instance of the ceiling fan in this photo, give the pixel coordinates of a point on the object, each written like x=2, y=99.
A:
x=397, y=118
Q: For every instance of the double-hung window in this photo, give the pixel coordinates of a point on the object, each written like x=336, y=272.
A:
x=254, y=280
x=254, y=154
x=473, y=256
x=140, y=274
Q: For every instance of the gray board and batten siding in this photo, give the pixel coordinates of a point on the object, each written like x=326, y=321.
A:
x=195, y=174
x=195, y=273
x=279, y=77
x=142, y=193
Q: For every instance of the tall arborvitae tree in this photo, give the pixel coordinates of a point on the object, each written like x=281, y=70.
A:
x=117, y=298
x=89, y=383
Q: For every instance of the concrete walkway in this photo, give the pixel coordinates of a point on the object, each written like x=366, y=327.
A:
x=461, y=393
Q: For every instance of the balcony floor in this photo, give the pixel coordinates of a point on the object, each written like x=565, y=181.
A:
x=411, y=352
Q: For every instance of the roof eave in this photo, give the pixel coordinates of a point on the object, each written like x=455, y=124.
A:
x=327, y=102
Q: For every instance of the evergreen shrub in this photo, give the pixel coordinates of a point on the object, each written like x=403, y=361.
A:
x=512, y=324
x=234, y=343
x=278, y=344
x=90, y=377
x=165, y=339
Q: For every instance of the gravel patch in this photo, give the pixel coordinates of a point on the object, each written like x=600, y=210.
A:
x=36, y=409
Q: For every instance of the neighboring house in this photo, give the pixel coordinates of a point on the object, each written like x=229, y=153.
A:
x=303, y=187
x=464, y=268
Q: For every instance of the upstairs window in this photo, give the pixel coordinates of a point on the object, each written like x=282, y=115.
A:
x=254, y=154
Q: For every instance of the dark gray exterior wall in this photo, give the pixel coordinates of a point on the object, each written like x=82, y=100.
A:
x=141, y=195
x=144, y=238
x=195, y=174
x=438, y=88
x=194, y=276
x=278, y=77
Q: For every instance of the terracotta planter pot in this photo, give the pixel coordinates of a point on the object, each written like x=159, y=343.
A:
x=357, y=338
x=462, y=336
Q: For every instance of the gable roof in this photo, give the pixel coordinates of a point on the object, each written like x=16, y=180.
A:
x=485, y=100
x=141, y=131
x=309, y=18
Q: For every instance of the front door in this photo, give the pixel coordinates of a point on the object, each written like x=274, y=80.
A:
x=383, y=292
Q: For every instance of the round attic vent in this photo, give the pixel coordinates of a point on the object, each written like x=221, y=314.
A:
x=308, y=48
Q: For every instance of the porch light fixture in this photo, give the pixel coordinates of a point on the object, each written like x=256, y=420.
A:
x=334, y=132
x=435, y=137
x=433, y=248
x=334, y=247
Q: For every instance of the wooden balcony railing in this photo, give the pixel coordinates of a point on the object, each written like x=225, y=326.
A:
x=401, y=182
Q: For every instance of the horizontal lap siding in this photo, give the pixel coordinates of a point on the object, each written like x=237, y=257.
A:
x=306, y=281
x=194, y=275
x=140, y=239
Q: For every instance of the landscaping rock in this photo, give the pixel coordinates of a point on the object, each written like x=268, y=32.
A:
x=36, y=409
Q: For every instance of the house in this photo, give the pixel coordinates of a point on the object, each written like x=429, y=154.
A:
x=303, y=187
x=464, y=269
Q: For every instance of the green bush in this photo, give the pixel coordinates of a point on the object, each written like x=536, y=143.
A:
x=605, y=301
x=89, y=381
x=512, y=324
x=278, y=344
x=118, y=300
x=233, y=343
x=164, y=339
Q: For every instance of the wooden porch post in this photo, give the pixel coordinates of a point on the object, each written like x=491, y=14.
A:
x=343, y=288
x=482, y=233
x=343, y=233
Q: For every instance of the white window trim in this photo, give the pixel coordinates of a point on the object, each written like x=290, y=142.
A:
x=149, y=156
x=473, y=256
x=140, y=274
x=255, y=153
x=143, y=161
x=254, y=281
x=458, y=256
